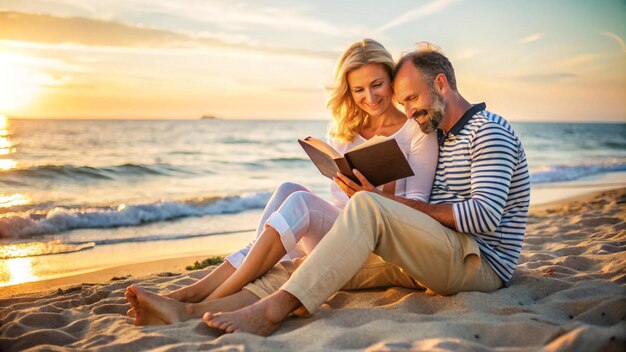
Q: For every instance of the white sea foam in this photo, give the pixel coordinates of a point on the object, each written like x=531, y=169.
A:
x=60, y=219
x=571, y=172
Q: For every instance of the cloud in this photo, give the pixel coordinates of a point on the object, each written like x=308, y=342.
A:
x=546, y=77
x=233, y=15
x=47, y=29
x=581, y=59
x=50, y=64
x=617, y=39
x=426, y=10
x=79, y=30
x=532, y=38
x=241, y=15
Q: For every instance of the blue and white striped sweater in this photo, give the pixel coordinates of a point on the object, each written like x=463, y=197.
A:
x=483, y=172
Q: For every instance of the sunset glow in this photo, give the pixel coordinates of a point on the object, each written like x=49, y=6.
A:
x=271, y=60
x=18, y=87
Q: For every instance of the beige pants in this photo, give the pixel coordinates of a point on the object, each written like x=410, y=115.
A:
x=416, y=251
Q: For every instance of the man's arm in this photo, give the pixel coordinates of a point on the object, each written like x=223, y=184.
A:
x=494, y=155
x=443, y=213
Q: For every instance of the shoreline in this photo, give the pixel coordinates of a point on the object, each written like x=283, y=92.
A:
x=177, y=263
x=103, y=276
x=567, y=294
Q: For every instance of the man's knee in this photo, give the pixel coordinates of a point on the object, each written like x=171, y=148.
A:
x=366, y=197
x=363, y=201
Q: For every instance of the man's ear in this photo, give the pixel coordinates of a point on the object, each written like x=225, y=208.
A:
x=441, y=84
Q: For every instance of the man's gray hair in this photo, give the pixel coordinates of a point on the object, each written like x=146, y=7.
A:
x=429, y=60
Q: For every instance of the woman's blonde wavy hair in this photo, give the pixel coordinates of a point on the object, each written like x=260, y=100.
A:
x=348, y=118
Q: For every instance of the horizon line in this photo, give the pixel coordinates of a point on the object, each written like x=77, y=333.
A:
x=97, y=118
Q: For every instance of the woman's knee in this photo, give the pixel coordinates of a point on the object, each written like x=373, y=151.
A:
x=300, y=197
x=287, y=188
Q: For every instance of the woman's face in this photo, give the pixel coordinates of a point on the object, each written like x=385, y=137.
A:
x=370, y=87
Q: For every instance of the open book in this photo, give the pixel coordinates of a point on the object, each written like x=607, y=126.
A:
x=379, y=159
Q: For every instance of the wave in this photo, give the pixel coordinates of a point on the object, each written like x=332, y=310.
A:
x=48, y=172
x=286, y=159
x=32, y=249
x=62, y=219
x=562, y=173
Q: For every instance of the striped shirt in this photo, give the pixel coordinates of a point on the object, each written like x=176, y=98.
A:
x=482, y=172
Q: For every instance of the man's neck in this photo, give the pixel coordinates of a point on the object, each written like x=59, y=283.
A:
x=455, y=108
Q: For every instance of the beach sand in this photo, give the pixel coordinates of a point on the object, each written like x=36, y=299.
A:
x=568, y=294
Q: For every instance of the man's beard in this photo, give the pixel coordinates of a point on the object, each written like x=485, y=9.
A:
x=434, y=114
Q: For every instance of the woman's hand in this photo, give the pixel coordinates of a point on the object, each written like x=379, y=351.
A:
x=350, y=187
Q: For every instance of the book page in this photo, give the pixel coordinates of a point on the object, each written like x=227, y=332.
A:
x=371, y=141
x=323, y=147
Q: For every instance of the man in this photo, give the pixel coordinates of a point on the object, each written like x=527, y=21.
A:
x=468, y=238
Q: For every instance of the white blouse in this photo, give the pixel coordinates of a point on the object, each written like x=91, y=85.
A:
x=421, y=151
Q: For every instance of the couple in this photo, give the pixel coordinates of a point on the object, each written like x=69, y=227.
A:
x=457, y=225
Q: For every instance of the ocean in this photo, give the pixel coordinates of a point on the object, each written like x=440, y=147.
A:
x=71, y=186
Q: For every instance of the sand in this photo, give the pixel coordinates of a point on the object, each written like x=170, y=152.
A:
x=568, y=294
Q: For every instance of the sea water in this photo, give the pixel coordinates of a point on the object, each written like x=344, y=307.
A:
x=75, y=185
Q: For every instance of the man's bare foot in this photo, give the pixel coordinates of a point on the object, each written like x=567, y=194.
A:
x=150, y=308
x=262, y=318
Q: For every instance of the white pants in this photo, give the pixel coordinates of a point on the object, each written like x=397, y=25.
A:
x=300, y=217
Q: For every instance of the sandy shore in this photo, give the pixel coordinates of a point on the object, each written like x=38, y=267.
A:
x=569, y=293
x=176, y=265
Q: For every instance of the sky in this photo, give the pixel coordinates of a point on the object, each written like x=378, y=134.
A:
x=533, y=60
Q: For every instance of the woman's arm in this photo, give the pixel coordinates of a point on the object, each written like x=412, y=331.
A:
x=423, y=157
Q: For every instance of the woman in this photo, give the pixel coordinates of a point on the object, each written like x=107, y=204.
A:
x=295, y=219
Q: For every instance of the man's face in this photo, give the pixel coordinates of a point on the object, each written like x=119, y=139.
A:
x=419, y=98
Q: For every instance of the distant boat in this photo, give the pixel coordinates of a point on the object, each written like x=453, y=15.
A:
x=208, y=117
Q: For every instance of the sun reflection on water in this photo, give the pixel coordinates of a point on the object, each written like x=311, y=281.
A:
x=7, y=164
x=27, y=249
x=16, y=271
x=15, y=266
x=7, y=201
x=5, y=145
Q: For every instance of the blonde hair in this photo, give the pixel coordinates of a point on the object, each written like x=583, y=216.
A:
x=348, y=118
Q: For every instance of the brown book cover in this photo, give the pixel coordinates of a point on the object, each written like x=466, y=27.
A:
x=380, y=160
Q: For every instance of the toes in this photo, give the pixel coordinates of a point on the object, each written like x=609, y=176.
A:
x=131, y=313
x=128, y=293
x=130, y=290
x=223, y=325
x=214, y=321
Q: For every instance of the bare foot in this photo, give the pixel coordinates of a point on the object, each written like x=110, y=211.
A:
x=150, y=308
x=262, y=318
x=149, y=320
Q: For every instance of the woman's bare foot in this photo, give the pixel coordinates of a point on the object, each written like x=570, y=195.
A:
x=151, y=308
x=148, y=320
x=262, y=318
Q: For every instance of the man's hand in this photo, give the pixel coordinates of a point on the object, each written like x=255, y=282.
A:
x=350, y=187
x=440, y=212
